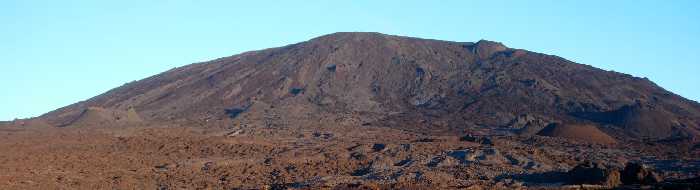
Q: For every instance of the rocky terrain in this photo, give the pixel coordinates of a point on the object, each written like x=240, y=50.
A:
x=365, y=111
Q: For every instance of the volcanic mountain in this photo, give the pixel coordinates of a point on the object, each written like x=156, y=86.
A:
x=364, y=110
x=372, y=79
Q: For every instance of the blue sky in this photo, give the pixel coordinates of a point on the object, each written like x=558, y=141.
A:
x=54, y=53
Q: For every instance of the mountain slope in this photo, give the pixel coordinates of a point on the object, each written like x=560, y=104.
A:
x=372, y=79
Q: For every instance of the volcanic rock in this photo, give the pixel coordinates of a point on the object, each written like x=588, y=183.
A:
x=636, y=173
x=594, y=174
x=477, y=139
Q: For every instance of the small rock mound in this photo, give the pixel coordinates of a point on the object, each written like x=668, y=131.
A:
x=585, y=133
x=638, y=120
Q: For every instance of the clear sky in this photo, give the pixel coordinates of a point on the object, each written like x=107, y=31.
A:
x=54, y=53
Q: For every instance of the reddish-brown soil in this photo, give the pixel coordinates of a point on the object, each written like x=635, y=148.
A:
x=173, y=157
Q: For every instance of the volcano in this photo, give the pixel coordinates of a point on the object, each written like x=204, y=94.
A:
x=408, y=83
x=407, y=93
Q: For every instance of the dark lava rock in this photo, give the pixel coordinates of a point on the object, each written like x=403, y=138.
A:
x=331, y=67
x=403, y=162
x=234, y=112
x=161, y=168
x=362, y=171
x=207, y=166
x=378, y=147
x=594, y=174
x=358, y=156
x=296, y=90
x=427, y=140
x=636, y=173
x=323, y=135
x=267, y=161
x=353, y=186
x=477, y=139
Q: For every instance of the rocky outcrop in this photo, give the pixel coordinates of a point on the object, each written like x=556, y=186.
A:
x=528, y=125
x=594, y=174
x=598, y=174
x=636, y=173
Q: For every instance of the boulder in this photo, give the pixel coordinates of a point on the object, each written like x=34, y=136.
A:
x=636, y=173
x=594, y=174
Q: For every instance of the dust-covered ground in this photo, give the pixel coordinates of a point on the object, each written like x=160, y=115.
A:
x=177, y=157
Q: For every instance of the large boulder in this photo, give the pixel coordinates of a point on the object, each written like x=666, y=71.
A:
x=636, y=173
x=594, y=174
